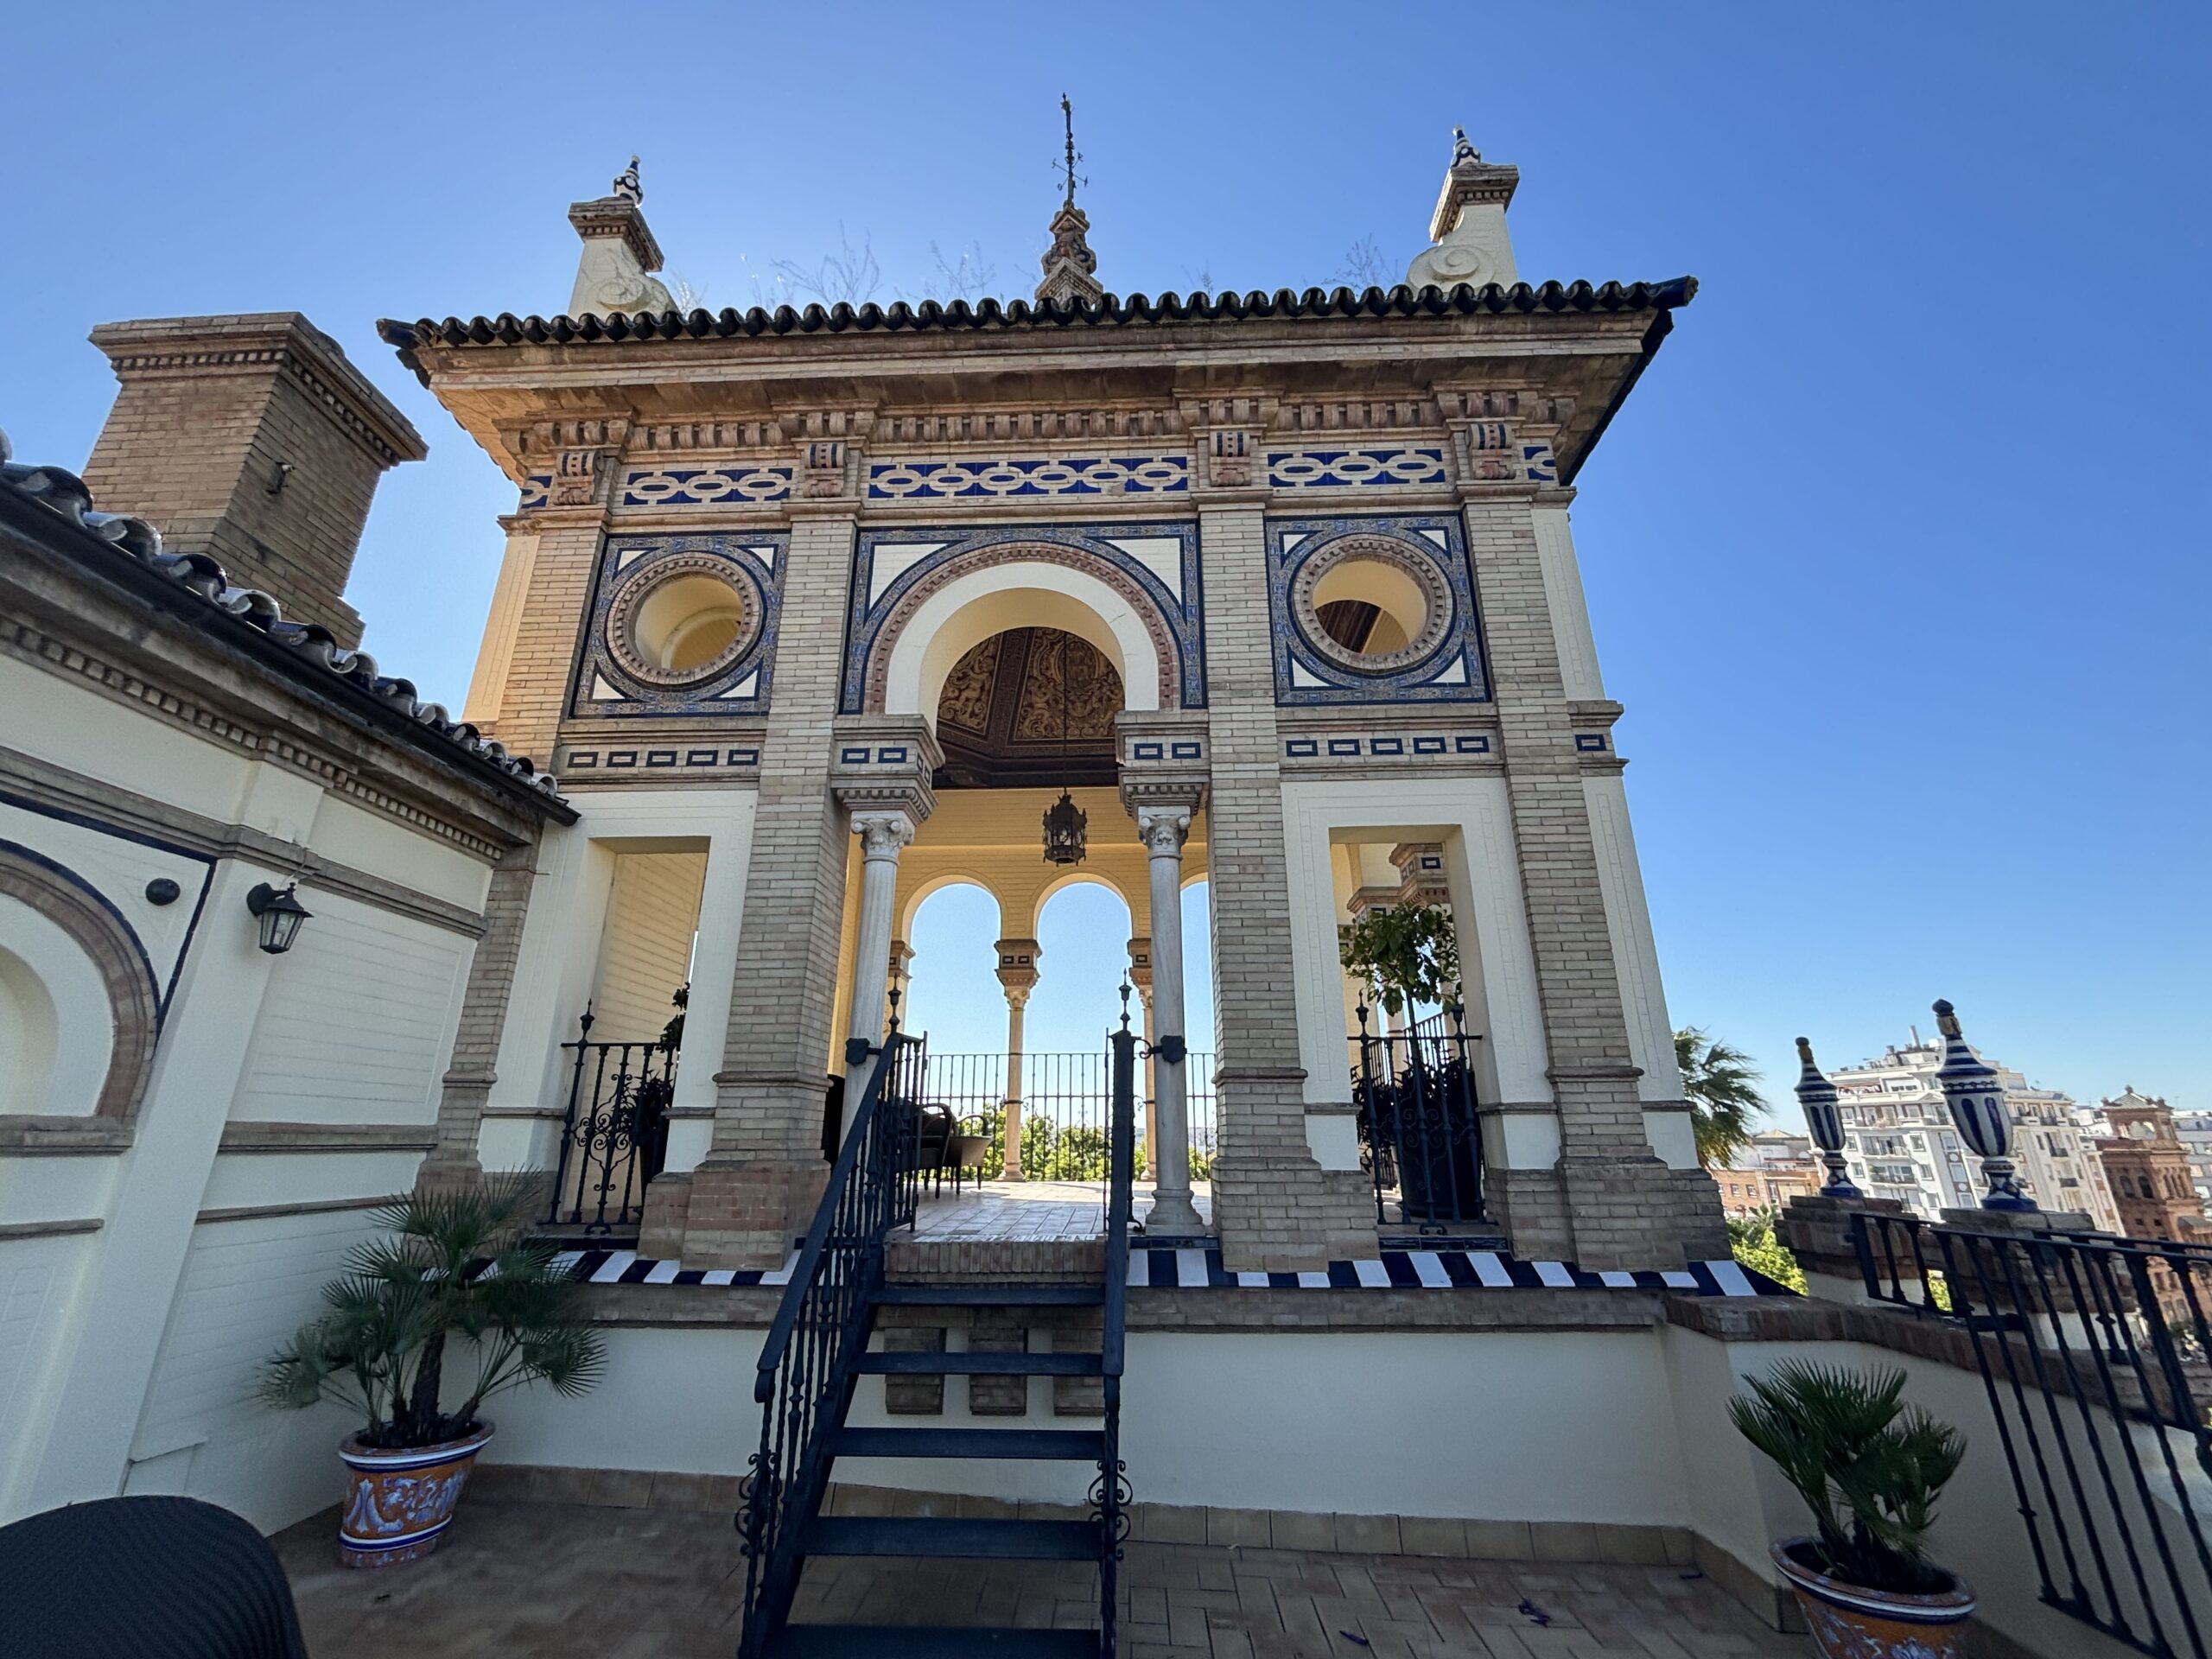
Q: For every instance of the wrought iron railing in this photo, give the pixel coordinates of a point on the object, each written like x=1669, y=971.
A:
x=1109, y=1493
x=807, y=1371
x=1065, y=1111
x=2093, y=1351
x=615, y=1136
x=1900, y=1262
x=1419, y=1137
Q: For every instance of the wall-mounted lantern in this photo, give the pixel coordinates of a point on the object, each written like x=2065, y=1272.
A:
x=280, y=915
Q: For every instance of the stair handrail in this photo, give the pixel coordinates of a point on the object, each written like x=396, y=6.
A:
x=870, y=1191
x=1110, y=1494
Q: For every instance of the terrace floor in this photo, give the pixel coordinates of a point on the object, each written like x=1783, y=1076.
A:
x=998, y=1211
x=527, y=1580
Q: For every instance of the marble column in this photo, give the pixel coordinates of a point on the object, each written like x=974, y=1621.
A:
x=883, y=836
x=1017, y=972
x=1163, y=830
x=1140, y=978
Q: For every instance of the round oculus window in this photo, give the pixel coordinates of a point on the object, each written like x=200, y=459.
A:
x=683, y=620
x=1372, y=604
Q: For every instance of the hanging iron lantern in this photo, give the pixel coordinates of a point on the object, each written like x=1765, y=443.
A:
x=1064, y=824
x=1064, y=819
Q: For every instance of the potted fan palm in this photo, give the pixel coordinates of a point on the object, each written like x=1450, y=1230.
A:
x=1870, y=1468
x=446, y=1263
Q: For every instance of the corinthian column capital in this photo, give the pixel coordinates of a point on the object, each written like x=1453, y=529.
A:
x=1163, y=830
x=882, y=834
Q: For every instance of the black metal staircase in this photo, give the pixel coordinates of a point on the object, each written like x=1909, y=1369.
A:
x=816, y=1351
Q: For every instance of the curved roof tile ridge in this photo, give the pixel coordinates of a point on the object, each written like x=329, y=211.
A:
x=1110, y=309
x=64, y=494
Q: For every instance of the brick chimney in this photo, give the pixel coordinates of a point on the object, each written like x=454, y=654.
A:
x=251, y=439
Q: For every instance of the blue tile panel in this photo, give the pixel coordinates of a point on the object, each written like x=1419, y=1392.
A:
x=536, y=490
x=1304, y=677
x=1366, y=467
x=703, y=486
x=626, y=759
x=1384, y=748
x=1009, y=478
x=1590, y=743
x=1088, y=544
x=626, y=559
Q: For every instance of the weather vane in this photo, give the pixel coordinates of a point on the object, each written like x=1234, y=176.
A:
x=1067, y=115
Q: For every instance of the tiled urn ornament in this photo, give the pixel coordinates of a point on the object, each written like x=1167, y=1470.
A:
x=398, y=1502
x=1848, y=1622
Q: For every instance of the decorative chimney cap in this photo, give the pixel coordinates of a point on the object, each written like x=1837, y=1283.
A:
x=1469, y=180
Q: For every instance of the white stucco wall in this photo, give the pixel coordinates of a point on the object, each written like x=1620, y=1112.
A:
x=140, y=1289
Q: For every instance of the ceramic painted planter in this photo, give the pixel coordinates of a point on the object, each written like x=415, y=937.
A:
x=1849, y=1623
x=398, y=1502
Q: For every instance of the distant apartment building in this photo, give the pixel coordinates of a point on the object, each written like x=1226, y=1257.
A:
x=1767, y=1172
x=2148, y=1164
x=2195, y=1130
x=1899, y=1141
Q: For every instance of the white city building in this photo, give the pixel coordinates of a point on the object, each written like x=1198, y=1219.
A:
x=1899, y=1141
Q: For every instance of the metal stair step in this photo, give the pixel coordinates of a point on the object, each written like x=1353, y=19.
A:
x=916, y=1641
x=991, y=1296
x=901, y=1362
x=1071, y=1444
x=961, y=1538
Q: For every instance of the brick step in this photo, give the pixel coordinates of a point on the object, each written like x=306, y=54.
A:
x=1069, y=1444
x=991, y=1296
x=910, y=1642
x=904, y=1361
x=958, y=1538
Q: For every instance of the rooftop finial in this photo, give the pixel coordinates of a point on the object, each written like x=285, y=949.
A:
x=627, y=185
x=1067, y=118
x=1068, y=262
x=1463, y=148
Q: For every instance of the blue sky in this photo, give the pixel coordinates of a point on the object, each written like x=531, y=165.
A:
x=1897, y=556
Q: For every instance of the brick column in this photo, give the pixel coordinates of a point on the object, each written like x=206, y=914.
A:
x=760, y=1179
x=1623, y=1207
x=468, y=1080
x=1273, y=1206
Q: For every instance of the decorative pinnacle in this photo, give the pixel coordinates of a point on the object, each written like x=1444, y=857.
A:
x=1463, y=148
x=1067, y=118
x=1947, y=1020
x=1805, y=1055
x=627, y=184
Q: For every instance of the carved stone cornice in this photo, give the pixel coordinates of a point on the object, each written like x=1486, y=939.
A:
x=884, y=763
x=1017, y=970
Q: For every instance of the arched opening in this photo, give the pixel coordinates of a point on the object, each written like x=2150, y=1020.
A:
x=922, y=642
x=1022, y=663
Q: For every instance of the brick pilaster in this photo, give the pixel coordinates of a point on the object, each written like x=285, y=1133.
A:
x=759, y=1184
x=1274, y=1206
x=542, y=665
x=1622, y=1207
x=468, y=1080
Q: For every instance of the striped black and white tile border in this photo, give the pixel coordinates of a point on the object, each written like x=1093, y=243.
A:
x=1196, y=1269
